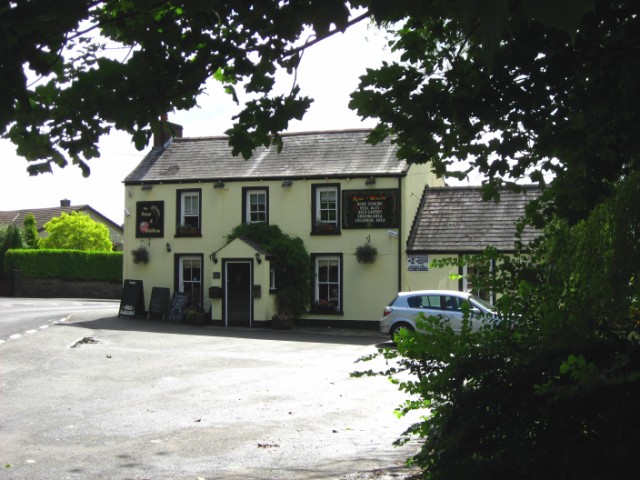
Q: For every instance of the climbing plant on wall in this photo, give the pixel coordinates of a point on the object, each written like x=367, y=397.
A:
x=291, y=262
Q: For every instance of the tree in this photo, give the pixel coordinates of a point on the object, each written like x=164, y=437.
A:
x=551, y=391
x=12, y=238
x=169, y=49
x=519, y=88
x=527, y=95
x=30, y=232
x=438, y=103
x=76, y=231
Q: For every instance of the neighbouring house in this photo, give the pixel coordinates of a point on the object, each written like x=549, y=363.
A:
x=43, y=215
x=331, y=189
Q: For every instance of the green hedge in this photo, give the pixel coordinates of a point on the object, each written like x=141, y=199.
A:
x=65, y=264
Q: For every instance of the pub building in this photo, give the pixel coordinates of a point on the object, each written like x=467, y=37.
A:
x=339, y=194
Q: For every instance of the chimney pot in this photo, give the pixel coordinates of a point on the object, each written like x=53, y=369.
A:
x=65, y=203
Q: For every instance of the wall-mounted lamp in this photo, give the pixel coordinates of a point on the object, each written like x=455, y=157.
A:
x=213, y=257
x=370, y=181
x=168, y=245
x=147, y=187
x=258, y=258
x=218, y=184
x=287, y=183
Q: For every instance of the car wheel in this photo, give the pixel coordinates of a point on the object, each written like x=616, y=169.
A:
x=399, y=327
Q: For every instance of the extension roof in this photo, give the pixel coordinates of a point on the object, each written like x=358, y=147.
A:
x=338, y=154
x=457, y=220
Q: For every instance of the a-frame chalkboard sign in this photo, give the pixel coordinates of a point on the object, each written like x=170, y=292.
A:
x=178, y=306
x=159, y=303
x=132, y=299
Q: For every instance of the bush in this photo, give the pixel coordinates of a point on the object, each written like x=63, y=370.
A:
x=11, y=237
x=77, y=231
x=553, y=390
x=66, y=264
x=30, y=232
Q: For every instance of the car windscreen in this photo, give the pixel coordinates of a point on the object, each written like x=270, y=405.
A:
x=483, y=304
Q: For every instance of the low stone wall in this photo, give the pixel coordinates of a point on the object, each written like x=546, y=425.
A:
x=59, y=288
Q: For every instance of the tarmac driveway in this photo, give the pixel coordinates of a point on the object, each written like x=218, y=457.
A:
x=101, y=397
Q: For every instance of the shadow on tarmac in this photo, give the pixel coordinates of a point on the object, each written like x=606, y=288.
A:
x=296, y=334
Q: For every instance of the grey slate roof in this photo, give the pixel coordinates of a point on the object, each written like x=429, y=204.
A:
x=304, y=155
x=457, y=220
x=43, y=215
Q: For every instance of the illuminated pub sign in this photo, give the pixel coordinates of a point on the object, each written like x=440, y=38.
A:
x=370, y=209
x=149, y=219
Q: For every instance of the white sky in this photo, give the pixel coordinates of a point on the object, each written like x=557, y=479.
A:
x=328, y=73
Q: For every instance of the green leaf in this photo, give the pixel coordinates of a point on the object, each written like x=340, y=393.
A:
x=564, y=15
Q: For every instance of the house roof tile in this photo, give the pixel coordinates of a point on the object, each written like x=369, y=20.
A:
x=457, y=220
x=304, y=155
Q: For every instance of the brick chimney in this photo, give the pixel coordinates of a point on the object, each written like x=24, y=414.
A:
x=166, y=131
x=65, y=203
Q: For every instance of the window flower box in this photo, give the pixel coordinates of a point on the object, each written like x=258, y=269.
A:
x=324, y=227
x=325, y=307
x=187, y=231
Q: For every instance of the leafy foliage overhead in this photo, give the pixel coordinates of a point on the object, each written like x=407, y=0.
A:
x=72, y=71
x=530, y=101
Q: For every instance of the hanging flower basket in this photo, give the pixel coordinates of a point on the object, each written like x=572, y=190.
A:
x=140, y=255
x=366, y=253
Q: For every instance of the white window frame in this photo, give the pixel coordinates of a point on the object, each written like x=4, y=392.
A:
x=191, y=211
x=256, y=193
x=320, y=284
x=319, y=208
x=182, y=264
x=468, y=287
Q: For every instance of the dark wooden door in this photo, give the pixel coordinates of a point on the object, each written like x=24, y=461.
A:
x=238, y=294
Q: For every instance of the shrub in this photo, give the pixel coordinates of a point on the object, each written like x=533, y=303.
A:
x=66, y=264
x=552, y=391
x=12, y=238
x=30, y=232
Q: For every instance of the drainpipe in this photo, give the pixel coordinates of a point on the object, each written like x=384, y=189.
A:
x=401, y=216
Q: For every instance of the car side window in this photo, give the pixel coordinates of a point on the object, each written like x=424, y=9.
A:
x=414, y=302
x=452, y=303
x=432, y=301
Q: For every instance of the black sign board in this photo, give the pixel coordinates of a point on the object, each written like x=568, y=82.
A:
x=178, y=306
x=132, y=299
x=159, y=303
x=149, y=219
x=375, y=208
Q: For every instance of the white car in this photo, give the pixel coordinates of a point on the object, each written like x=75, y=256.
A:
x=404, y=310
